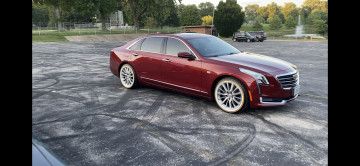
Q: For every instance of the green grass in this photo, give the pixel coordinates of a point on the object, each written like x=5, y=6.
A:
x=59, y=36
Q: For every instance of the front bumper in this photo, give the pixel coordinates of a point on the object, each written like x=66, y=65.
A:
x=266, y=102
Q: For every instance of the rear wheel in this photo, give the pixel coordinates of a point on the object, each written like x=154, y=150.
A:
x=248, y=40
x=128, y=76
x=231, y=95
x=234, y=39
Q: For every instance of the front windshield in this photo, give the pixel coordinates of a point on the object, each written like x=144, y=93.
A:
x=212, y=46
x=247, y=33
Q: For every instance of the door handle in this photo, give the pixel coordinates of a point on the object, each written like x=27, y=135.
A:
x=166, y=60
x=135, y=54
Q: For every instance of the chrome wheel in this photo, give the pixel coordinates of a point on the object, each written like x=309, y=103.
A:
x=127, y=76
x=229, y=95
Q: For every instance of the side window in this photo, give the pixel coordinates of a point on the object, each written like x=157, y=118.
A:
x=152, y=44
x=137, y=45
x=174, y=46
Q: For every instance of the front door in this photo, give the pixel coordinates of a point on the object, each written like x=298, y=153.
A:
x=181, y=73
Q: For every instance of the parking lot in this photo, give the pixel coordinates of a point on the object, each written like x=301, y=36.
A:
x=84, y=115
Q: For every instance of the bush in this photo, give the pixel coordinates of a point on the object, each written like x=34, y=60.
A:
x=290, y=22
x=207, y=20
x=257, y=26
x=275, y=22
x=260, y=19
x=320, y=27
x=228, y=17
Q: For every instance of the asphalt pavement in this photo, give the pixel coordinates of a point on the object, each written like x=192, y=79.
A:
x=84, y=115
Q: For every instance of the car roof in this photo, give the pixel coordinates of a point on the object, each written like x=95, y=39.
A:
x=182, y=35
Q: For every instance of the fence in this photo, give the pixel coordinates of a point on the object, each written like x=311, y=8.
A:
x=95, y=29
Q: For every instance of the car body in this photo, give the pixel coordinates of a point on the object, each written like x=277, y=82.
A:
x=42, y=155
x=261, y=35
x=206, y=66
x=243, y=36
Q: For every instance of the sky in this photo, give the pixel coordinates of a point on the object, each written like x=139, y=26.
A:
x=244, y=3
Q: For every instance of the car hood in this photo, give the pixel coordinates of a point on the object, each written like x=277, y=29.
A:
x=261, y=62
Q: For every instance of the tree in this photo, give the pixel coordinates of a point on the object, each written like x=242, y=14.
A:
x=260, y=19
x=55, y=5
x=316, y=15
x=190, y=16
x=250, y=12
x=275, y=22
x=290, y=22
x=273, y=9
x=315, y=5
x=138, y=8
x=206, y=8
x=262, y=11
x=228, y=17
x=321, y=27
x=207, y=20
x=257, y=26
x=105, y=7
x=40, y=14
x=173, y=19
x=287, y=9
x=150, y=22
x=161, y=10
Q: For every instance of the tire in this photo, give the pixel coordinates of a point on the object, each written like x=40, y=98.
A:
x=231, y=95
x=128, y=76
x=248, y=40
x=234, y=39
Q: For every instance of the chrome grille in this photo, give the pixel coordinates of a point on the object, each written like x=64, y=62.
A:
x=288, y=81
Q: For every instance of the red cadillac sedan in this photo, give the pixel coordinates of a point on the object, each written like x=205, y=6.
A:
x=208, y=67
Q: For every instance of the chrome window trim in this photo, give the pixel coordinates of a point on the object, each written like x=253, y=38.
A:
x=289, y=73
x=192, y=52
x=174, y=85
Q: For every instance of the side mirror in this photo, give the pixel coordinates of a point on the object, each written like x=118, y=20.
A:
x=186, y=55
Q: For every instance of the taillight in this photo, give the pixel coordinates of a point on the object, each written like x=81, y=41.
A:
x=262, y=35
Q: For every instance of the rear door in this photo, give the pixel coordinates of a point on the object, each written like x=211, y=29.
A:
x=148, y=63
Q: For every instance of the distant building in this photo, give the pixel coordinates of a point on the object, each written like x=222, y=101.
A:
x=205, y=29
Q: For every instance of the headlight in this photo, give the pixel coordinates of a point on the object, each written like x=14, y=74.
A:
x=260, y=79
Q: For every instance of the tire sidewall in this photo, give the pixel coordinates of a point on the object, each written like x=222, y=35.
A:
x=135, y=82
x=244, y=90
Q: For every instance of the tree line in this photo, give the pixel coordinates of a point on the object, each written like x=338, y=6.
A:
x=229, y=16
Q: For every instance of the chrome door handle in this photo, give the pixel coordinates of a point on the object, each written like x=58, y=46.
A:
x=135, y=54
x=166, y=60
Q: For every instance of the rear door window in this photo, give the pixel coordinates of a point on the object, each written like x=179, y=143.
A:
x=137, y=45
x=152, y=44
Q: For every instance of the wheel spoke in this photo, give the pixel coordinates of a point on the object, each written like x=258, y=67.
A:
x=229, y=96
x=231, y=88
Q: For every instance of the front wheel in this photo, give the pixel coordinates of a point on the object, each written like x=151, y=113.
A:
x=248, y=40
x=231, y=95
x=234, y=39
x=128, y=76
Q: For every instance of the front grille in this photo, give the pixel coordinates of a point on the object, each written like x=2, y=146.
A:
x=288, y=81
